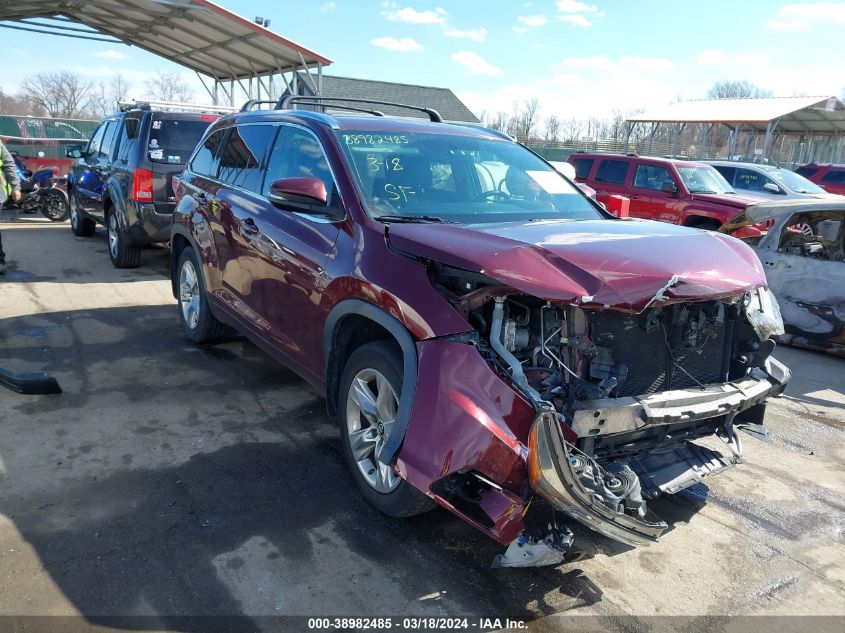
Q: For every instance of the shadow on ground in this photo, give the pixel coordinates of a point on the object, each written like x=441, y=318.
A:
x=261, y=518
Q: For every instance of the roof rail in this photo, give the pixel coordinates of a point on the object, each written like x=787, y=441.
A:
x=249, y=105
x=433, y=115
x=172, y=106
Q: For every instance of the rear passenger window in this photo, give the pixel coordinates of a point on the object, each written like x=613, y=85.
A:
x=582, y=167
x=207, y=158
x=241, y=160
x=834, y=176
x=651, y=177
x=612, y=171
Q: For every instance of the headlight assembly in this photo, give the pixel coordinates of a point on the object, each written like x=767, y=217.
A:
x=763, y=313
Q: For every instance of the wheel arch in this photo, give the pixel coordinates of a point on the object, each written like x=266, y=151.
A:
x=350, y=324
x=180, y=239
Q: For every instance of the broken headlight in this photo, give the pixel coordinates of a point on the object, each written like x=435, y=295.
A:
x=763, y=313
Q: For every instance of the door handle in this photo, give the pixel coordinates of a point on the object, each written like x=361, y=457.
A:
x=248, y=225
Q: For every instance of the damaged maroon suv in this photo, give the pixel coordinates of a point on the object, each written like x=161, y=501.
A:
x=484, y=334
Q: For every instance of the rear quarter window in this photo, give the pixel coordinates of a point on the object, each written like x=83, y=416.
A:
x=613, y=171
x=173, y=140
x=806, y=171
x=582, y=166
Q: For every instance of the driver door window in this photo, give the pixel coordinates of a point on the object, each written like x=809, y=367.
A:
x=96, y=141
x=298, y=154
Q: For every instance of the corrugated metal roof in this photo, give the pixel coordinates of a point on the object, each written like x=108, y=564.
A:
x=198, y=34
x=441, y=99
x=824, y=115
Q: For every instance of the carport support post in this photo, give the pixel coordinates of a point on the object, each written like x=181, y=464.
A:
x=769, y=129
x=679, y=128
x=735, y=132
x=654, y=127
x=628, y=132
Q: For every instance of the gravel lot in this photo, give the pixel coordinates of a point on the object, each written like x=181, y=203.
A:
x=170, y=480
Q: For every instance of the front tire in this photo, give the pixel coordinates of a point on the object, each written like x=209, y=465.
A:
x=79, y=224
x=198, y=323
x=370, y=389
x=122, y=252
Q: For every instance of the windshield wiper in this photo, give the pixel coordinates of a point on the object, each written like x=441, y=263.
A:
x=703, y=191
x=414, y=219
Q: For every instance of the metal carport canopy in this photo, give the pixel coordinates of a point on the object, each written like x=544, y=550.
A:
x=794, y=115
x=198, y=34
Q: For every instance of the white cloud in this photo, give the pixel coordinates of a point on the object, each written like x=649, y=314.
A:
x=573, y=6
x=475, y=63
x=799, y=17
x=325, y=8
x=740, y=59
x=400, y=45
x=410, y=15
x=476, y=35
x=110, y=54
x=648, y=64
x=532, y=21
x=787, y=26
x=576, y=19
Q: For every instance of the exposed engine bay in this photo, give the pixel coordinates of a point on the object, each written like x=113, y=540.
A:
x=621, y=396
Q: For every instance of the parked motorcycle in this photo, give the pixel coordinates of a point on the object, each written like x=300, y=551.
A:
x=43, y=191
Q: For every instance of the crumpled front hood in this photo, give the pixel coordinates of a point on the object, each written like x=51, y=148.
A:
x=737, y=201
x=619, y=263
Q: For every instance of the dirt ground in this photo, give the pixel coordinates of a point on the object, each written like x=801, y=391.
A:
x=172, y=480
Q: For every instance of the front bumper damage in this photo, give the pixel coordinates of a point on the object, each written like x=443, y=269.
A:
x=553, y=464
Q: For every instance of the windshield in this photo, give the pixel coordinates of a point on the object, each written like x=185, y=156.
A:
x=456, y=178
x=794, y=182
x=173, y=141
x=704, y=179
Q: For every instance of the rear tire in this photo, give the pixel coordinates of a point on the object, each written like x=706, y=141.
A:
x=198, y=323
x=54, y=206
x=122, y=252
x=79, y=224
x=369, y=393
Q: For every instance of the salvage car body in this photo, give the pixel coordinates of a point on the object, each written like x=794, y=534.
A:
x=804, y=260
x=574, y=357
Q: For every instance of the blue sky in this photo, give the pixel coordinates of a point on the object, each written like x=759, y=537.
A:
x=578, y=58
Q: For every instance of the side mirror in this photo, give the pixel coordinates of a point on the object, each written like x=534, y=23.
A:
x=73, y=151
x=772, y=188
x=669, y=187
x=307, y=195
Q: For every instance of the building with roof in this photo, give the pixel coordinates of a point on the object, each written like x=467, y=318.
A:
x=806, y=129
x=441, y=99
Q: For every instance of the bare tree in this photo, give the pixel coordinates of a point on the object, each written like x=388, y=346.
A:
x=552, y=128
x=109, y=97
x=169, y=87
x=528, y=119
x=572, y=128
x=19, y=105
x=61, y=94
x=737, y=90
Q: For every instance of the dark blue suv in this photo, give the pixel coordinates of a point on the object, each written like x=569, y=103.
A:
x=122, y=177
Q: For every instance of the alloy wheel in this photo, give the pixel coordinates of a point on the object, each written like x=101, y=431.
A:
x=370, y=414
x=74, y=211
x=189, y=294
x=114, y=238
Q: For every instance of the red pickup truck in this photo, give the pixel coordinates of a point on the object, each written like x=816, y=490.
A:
x=674, y=191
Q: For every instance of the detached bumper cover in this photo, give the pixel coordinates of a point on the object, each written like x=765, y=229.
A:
x=550, y=463
x=552, y=477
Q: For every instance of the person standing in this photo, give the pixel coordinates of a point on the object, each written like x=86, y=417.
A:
x=10, y=187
